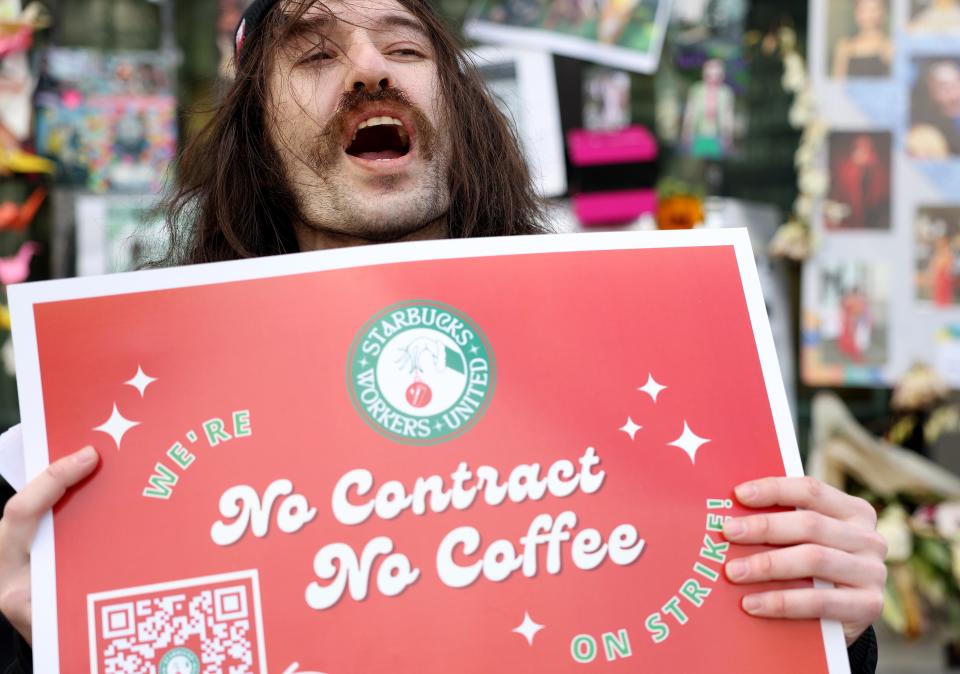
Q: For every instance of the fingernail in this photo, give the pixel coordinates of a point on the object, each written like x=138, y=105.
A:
x=746, y=492
x=736, y=569
x=733, y=528
x=751, y=604
x=85, y=455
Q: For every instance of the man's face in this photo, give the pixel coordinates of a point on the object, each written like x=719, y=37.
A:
x=945, y=87
x=358, y=123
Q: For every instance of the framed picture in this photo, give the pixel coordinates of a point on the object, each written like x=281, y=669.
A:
x=860, y=180
x=625, y=34
x=859, y=39
x=524, y=86
x=937, y=232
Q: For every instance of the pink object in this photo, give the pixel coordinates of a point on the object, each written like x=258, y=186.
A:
x=633, y=145
x=72, y=98
x=614, y=208
x=17, y=42
x=16, y=269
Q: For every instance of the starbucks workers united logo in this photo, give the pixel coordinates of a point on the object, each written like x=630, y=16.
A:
x=421, y=372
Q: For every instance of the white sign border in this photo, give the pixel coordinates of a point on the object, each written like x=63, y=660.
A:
x=24, y=297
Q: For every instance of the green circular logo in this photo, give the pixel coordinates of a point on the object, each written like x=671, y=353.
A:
x=421, y=372
x=179, y=661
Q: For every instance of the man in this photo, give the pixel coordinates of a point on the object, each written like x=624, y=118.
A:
x=362, y=122
x=708, y=123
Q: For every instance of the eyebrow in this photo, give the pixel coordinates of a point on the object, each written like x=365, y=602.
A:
x=325, y=22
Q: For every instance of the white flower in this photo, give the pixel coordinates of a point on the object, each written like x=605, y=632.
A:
x=800, y=114
x=816, y=132
x=920, y=388
x=814, y=182
x=794, y=72
x=946, y=518
x=791, y=242
x=895, y=528
x=836, y=211
x=803, y=207
x=806, y=155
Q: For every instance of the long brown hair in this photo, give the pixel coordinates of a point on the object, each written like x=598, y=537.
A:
x=232, y=201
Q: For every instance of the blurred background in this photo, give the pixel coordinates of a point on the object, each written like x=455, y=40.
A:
x=829, y=128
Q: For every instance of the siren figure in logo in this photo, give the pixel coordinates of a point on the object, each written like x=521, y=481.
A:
x=411, y=358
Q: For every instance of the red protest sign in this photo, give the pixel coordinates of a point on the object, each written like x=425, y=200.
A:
x=452, y=456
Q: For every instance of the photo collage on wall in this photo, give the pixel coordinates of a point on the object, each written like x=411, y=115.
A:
x=882, y=290
x=108, y=120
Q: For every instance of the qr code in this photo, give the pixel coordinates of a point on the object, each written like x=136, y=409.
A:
x=204, y=625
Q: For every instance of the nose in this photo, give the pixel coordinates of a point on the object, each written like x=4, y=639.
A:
x=368, y=69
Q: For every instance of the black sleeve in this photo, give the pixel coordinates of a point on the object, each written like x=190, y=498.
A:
x=15, y=655
x=863, y=653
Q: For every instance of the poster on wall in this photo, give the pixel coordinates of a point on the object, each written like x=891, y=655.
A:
x=625, y=34
x=108, y=120
x=524, y=86
x=434, y=459
x=700, y=106
x=117, y=233
x=887, y=79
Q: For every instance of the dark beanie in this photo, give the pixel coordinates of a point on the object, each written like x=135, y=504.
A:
x=249, y=22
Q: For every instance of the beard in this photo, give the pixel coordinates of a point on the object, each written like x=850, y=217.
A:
x=329, y=201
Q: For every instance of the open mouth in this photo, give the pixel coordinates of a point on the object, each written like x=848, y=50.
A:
x=380, y=139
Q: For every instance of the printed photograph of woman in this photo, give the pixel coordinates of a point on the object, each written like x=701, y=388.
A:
x=852, y=326
x=859, y=33
x=937, y=230
x=860, y=179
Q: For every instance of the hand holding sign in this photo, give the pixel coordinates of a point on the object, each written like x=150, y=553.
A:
x=833, y=538
x=21, y=516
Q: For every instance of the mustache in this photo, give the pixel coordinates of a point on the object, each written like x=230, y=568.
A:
x=351, y=100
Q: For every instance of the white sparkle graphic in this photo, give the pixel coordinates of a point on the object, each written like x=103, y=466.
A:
x=141, y=381
x=631, y=428
x=116, y=426
x=528, y=628
x=689, y=442
x=652, y=388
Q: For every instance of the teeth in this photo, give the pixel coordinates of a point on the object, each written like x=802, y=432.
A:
x=379, y=121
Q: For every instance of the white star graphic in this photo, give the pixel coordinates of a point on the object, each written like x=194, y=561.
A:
x=141, y=381
x=652, y=388
x=631, y=428
x=528, y=628
x=116, y=426
x=689, y=442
